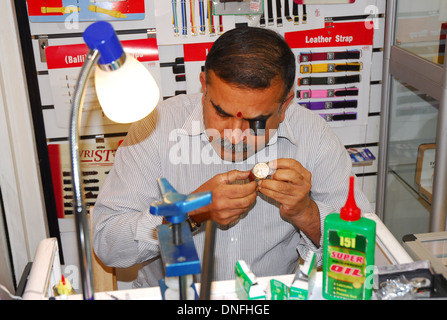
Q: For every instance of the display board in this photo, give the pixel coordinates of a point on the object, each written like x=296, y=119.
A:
x=84, y=10
x=334, y=71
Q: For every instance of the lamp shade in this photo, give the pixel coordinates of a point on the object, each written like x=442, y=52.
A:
x=127, y=92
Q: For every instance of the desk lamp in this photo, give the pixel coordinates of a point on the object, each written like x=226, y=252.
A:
x=127, y=92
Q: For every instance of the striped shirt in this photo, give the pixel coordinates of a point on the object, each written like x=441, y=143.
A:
x=172, y=143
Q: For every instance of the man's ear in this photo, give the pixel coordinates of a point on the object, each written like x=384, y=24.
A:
x=286, y=104
x=203, y=81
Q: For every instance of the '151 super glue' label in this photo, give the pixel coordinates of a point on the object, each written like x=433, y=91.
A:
x=346, y=264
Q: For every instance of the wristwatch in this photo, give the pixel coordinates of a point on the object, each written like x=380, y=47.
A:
x=193, y=224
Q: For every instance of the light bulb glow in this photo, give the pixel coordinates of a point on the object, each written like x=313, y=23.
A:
x=127, y=94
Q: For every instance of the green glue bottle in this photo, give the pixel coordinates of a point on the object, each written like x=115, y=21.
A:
x=348, y=253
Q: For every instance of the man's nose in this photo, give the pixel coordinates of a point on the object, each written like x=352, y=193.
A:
x=238, y=131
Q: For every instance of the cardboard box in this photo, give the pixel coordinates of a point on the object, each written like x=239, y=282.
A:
x=247, y=287
x=304, y=282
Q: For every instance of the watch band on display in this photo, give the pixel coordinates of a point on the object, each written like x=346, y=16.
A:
x=287, y=11
x=270, y=12
x=304, y=14
x=278, y=13
x=339, y=116
x=318, y=56
x=330, y=67
x=310, y=81
x=323, y=105
x=327, y=93
x=296, y=17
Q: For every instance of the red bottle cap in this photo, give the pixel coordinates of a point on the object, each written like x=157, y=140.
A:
x=350, y=212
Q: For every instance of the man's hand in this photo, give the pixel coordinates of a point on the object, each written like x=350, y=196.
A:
x=229, y=200
x=290, y=185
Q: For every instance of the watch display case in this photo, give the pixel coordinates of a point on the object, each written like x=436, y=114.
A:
x=411, y=185
x=429, y=246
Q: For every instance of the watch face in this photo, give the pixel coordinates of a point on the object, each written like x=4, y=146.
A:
x=261, y=170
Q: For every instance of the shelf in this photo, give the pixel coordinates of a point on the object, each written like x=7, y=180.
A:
x=405, y=175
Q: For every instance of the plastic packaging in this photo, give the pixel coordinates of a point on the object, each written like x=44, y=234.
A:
x=238, y=7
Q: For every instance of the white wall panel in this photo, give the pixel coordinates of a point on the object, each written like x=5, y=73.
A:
x=19, y=169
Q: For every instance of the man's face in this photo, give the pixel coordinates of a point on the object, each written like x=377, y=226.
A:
x=228, y=111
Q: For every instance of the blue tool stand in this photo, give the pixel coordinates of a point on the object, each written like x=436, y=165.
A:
x=177, y=249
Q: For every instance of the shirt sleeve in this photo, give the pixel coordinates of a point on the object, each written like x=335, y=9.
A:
x=124, y=231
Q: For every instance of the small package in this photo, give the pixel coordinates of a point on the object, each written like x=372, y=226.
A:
x=304, y=281
x=361, y=157
x=278, y=290
x=247, y=287
x=238, y=7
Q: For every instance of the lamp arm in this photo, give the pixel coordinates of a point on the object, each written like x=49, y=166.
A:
x=82, y=225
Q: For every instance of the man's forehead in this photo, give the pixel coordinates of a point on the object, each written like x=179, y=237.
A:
x=239, y=113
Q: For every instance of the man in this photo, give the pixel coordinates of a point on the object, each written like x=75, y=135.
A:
x=210, y=142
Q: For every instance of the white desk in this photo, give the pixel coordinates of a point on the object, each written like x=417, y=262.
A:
x=46, y=272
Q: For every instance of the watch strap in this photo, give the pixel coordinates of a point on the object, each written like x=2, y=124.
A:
x=339, y=116
x=324, y=105
x=310, y=81
x=327, y=93
x=318, y=56
x=330, y=67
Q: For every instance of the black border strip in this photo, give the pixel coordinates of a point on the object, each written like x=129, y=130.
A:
x=366, y=174
x=38, y=121
x=362, y=145
x=80, y=34
x=91, y=136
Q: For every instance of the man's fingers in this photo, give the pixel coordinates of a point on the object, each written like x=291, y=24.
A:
x=237, y=191
x=234, y=175
x=291, y=171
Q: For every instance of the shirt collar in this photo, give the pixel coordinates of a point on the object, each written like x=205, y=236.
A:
x=194, y=125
